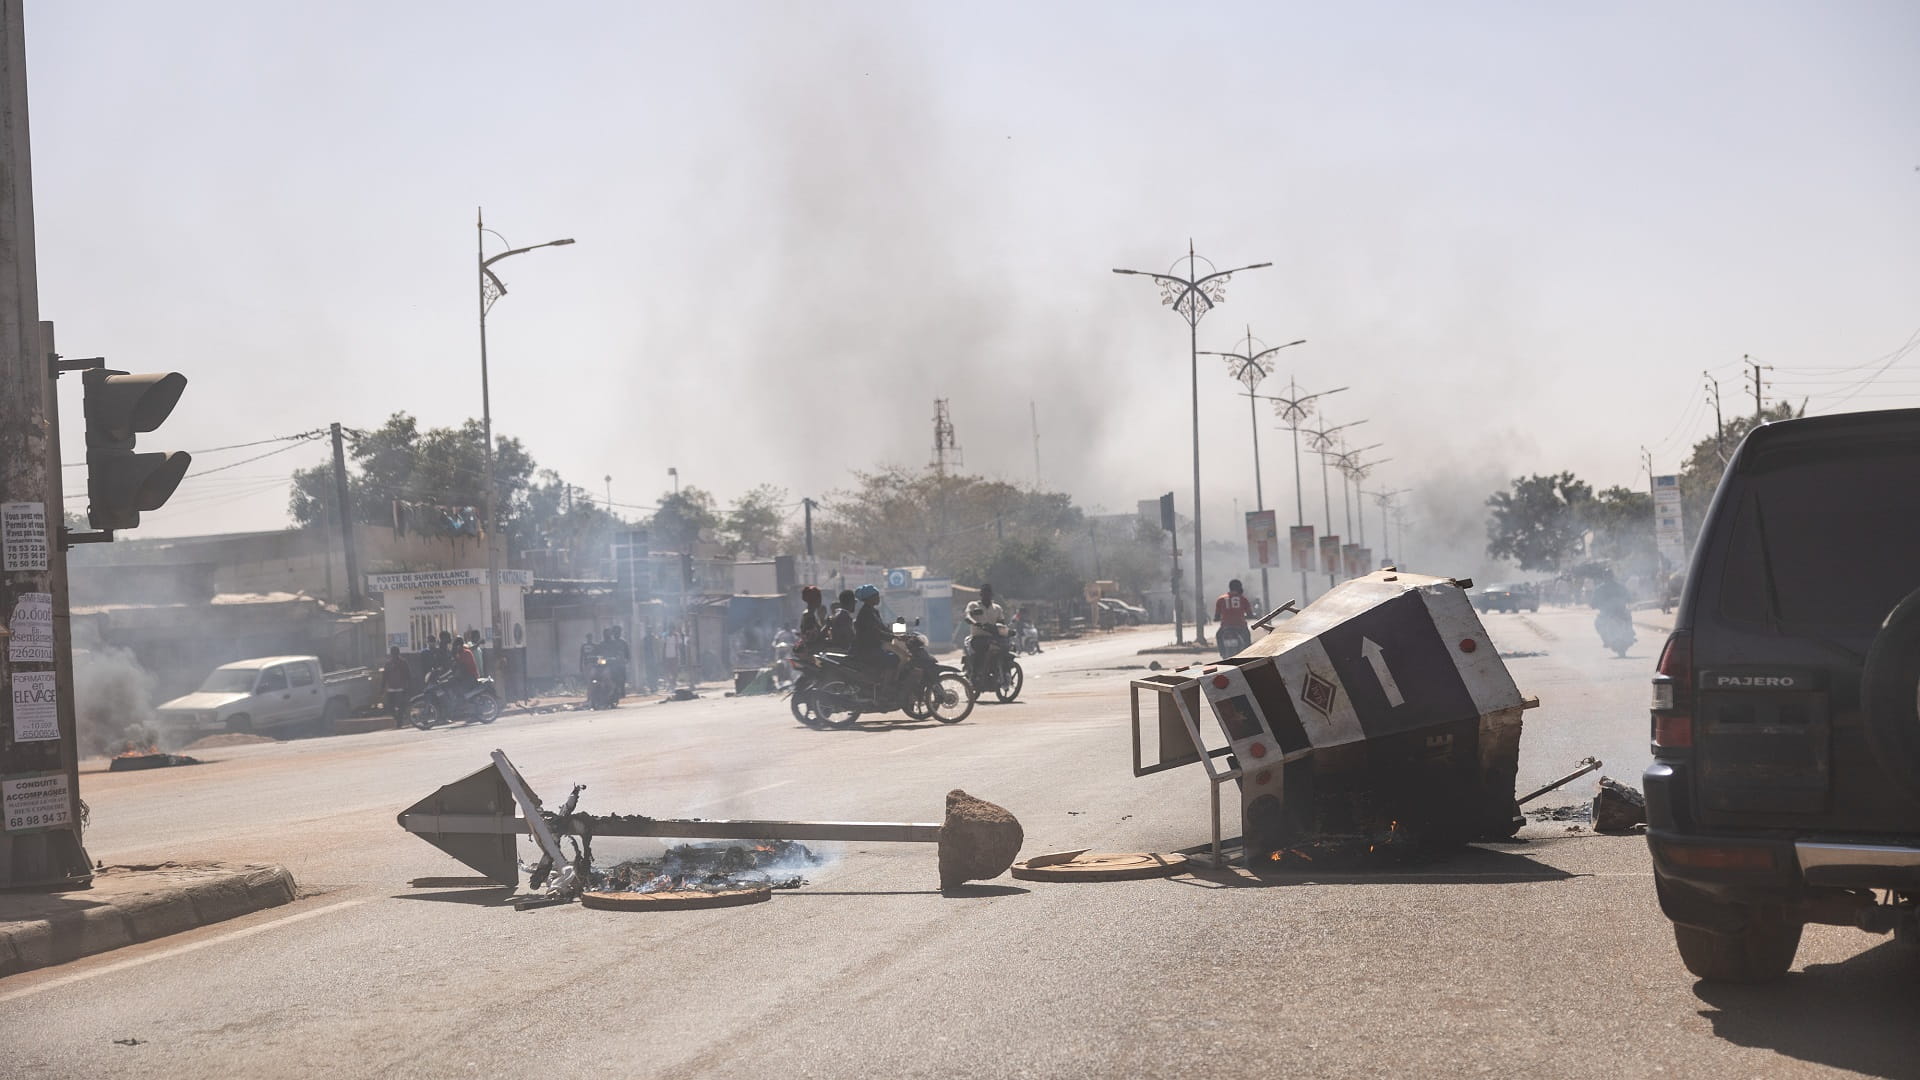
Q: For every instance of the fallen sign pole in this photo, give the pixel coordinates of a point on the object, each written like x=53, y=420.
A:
x=473, y=819
x=1587, y=765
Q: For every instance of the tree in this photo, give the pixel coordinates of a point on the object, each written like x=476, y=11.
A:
x=1030, y=569
x=682, y=516
x=436, y=468
x=1540, y=523
x=753, y=525
x=949, y=523
x=1619, y=522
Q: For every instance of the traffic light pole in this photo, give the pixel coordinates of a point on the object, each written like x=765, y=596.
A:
x=40, y=844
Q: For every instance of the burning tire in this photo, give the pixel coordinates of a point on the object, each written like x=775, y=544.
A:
x=949, y=700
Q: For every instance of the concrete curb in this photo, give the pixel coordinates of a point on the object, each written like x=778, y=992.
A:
x=129, y=904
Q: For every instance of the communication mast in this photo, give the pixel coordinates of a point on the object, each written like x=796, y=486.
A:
x=946, y=450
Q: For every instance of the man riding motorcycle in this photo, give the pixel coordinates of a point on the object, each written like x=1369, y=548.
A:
x=614, y=648
x=1230, y=612
x=872, y=642
x=989, y=621
x=1615, y=620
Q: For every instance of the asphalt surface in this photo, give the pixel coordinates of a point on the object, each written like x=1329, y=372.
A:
x=1541, y=958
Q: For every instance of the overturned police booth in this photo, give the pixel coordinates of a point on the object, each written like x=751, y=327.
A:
x=1380, y=715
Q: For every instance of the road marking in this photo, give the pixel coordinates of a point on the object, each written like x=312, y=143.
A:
x=739, y=795
x=179, y=950
x=1377, y=659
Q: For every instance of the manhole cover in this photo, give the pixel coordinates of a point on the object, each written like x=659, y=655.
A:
x=1105, y=866
x=675, y=900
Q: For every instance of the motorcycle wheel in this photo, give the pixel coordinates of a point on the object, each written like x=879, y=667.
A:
x=800, y=701
x=420, y=712
x=918, y=705
x=486, y=708
x=949, y=700
x=1010, y=682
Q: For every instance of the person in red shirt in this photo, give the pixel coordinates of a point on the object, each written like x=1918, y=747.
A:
x=1231, y=612
x=464, y=663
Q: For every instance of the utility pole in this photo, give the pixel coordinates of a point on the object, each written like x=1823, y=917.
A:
x=346, y=518
x=40, y=843
x=1719, y=425
x=1759, y=408
x=1033, y=413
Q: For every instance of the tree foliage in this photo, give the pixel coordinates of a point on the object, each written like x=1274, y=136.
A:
x=682, y=518
x=397, y=461
x=1539, y=523
x=753, y=524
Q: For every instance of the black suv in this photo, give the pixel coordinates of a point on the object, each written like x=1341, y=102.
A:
x=1785, y=787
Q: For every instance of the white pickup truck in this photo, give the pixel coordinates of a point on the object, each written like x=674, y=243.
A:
x=271, y=693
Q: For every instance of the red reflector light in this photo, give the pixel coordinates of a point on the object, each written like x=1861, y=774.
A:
x=1220, y=681
x=1673, y=730
x=1258, y=749
x=1719, y=858
x=1468, y=645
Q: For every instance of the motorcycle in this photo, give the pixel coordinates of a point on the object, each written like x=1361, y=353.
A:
x=442, y=703
x=1616, y=631
x=1232, y=639
x=990, y=663
x=1026, y=639
x=602, y=684
x=833, y=691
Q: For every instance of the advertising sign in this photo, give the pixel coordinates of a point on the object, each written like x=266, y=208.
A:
x=1263, y=539
x=35, y=802
x=23, y=535
x=1669, y=532
x=1350, y=560
x=1330, y=554
x=32, y=629
x=36, y=715
x=1301, y=537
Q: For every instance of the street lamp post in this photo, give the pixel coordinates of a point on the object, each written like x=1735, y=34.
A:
x=1293, y=409
x=1191, y=297
x=1250, y=368
x=1322, y=442
x=1384, y=500
x=491, y=289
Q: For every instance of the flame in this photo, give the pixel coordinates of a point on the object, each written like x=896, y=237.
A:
x=137, y=751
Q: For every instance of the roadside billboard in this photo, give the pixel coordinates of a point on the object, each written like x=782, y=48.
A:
x=1669, y=532
x=1263, y=539
x=1301, y=539
x=1330, y=554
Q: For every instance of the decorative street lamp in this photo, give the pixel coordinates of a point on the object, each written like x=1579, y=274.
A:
x=491, y=289
x=1250, y=367
x=1322, y=442
x=1191, y=297
x=1293, y=409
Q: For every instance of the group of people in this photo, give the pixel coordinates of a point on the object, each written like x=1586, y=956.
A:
x=451, y=663
x=853, y=626
x=652, y=657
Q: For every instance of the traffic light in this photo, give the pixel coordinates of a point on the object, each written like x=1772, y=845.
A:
x=121, y=483
x=1166, y=512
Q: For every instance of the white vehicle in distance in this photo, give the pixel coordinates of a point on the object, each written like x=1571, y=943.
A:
x=284, y=694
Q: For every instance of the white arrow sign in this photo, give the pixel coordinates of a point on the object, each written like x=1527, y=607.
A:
x=1377, y=659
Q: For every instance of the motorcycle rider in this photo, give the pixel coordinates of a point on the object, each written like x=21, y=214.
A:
x=989, y=620
x=813, y=621
x=1230, y=613
x=1610, y=600
x=840, y=626
x=396, y=679
x=614, y=648
x=871, y=637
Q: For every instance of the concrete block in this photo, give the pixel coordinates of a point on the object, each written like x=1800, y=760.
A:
x=218, y=899
x=269, y=886
x=158, y=914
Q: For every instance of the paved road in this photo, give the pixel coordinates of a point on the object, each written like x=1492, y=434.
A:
x=1544, y=958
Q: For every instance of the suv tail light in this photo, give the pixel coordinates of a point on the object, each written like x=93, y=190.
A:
x=1673, y=693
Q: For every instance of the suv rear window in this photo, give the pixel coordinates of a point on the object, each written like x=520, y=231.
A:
x=1824, y=536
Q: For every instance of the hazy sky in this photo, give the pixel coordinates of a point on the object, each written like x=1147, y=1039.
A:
x=1518, y=232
